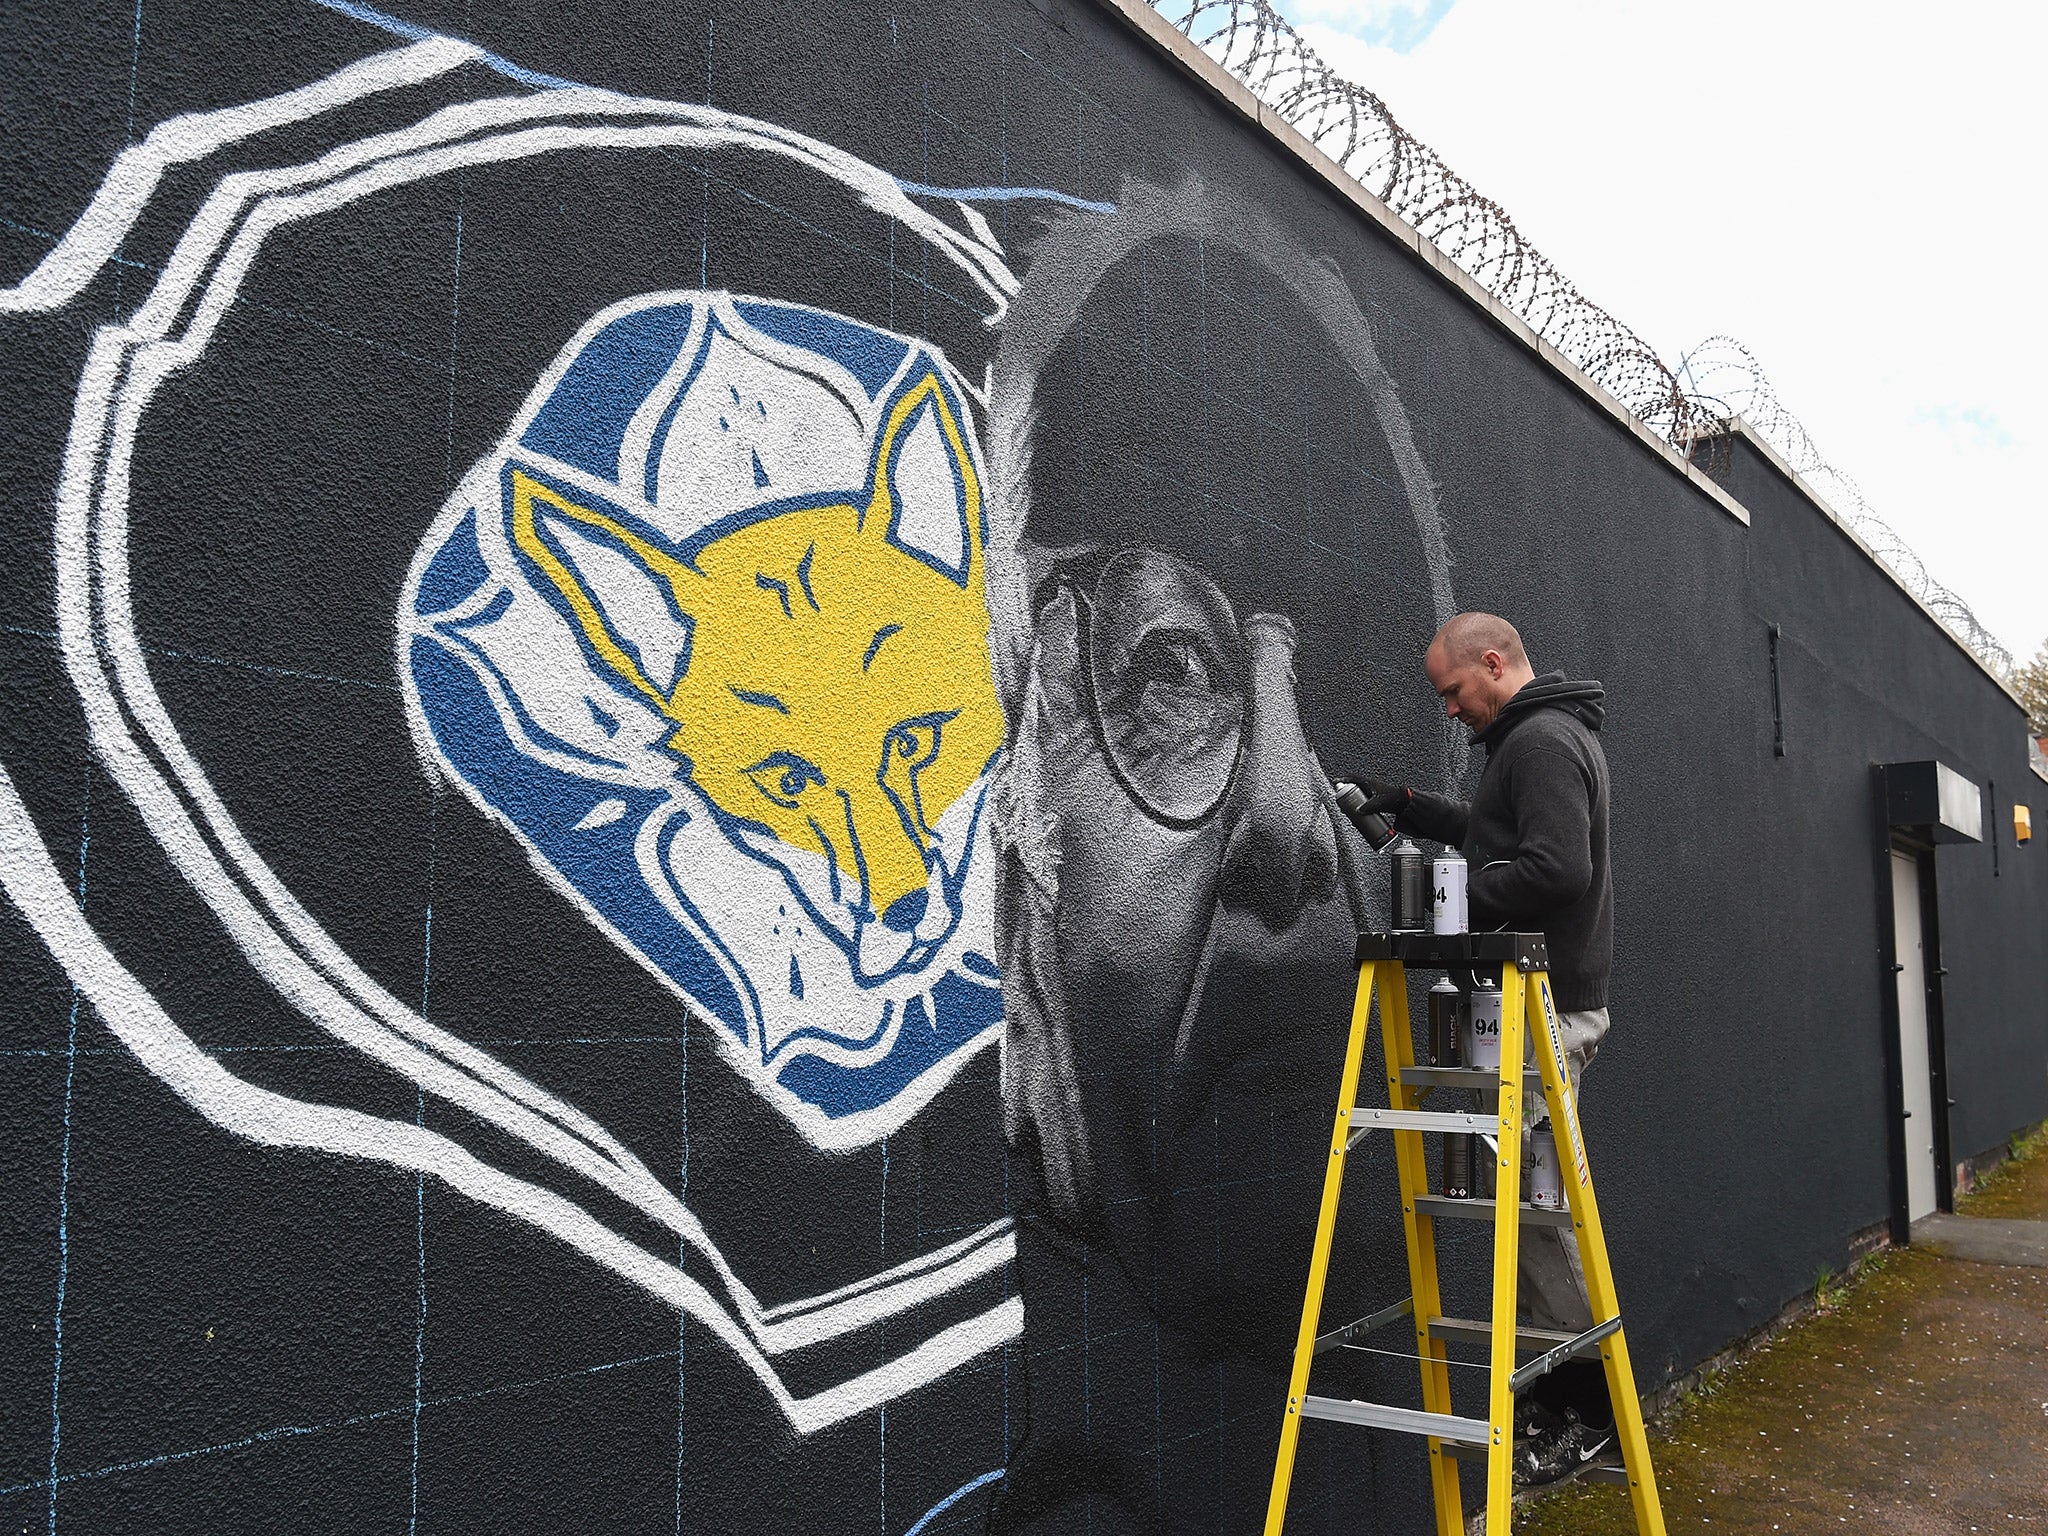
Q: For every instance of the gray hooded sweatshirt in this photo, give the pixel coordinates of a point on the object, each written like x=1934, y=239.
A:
x=1535, y=832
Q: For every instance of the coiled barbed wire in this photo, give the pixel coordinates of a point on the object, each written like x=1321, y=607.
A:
x=1724, y=371
x=1347, y=122
x=1353, y=127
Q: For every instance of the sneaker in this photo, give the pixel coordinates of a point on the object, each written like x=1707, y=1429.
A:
x=1553, y=1454
x=1532, y=1418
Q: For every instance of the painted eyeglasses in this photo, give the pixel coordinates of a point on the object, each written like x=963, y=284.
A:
x=1167, y=679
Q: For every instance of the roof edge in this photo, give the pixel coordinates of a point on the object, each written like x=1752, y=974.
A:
x=1144, y=19
x=1768, y=452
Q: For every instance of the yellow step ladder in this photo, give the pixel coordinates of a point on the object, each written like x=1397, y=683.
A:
x=1525, y=997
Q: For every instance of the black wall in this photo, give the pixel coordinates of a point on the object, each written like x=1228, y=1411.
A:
x=230, y=1324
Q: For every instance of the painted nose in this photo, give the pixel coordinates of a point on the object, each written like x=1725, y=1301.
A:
x=1282, y=851
x=904, y=913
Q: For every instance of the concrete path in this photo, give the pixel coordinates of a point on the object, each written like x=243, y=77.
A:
x=1984, y=1239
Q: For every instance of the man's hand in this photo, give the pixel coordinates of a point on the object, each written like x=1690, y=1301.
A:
x=1380, y=798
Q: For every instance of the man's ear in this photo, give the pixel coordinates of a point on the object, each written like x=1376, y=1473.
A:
x=624, y=595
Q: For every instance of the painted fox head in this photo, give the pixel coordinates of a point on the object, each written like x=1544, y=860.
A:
x=826, y=673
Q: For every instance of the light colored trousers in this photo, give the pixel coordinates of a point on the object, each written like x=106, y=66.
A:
x=1553, y=1281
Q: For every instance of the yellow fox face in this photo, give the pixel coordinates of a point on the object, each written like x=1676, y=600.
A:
x=830, y=686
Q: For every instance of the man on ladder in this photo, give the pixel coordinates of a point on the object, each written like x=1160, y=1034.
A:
x=1535, y=837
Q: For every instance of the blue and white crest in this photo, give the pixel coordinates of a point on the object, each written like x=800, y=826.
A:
x=706, y=632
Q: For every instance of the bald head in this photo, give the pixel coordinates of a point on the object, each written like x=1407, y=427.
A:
x=1471, y=635
x=1476, y=664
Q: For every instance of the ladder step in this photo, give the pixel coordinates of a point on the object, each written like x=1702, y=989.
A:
x=1551, y=1359
x=1599, y=1472
x=1473, y=1330
x=1370, y=1324
x=1482, y=1210
x=1481, y=1105
x=1408, y=1421
x=1465, y=1077
x=1368, y=1119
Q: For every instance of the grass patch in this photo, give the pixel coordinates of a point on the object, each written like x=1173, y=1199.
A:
x=2018, y=1188
x=1830, y=1290
x=1711, y=1451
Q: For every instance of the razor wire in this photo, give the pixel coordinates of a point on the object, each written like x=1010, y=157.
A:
x=1715, y=383
x=1723, y=371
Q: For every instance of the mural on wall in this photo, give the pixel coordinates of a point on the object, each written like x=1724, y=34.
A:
x=756, y=632
x=705, y=633
x=1143, y=699
x=663, y=793
x=708, y=634
x=1177, y=890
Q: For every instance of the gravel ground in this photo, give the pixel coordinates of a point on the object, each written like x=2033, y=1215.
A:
x=1916, y=1402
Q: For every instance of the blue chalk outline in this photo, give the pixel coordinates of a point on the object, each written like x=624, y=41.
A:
x=994, y=194
x=954, y=1498
x=413, y=32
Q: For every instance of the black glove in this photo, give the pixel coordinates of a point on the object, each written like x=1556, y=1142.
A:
x=1380, y=799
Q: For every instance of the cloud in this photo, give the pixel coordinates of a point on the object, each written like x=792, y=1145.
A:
x=1395, y=25
x=1973, y=424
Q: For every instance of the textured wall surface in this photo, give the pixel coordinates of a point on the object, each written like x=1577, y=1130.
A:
x=668, y=678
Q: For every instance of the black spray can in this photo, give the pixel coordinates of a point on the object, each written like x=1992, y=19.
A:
x=1458, y=1165
x=1446, y=1024
x=1377, y=828
x=1408, y=899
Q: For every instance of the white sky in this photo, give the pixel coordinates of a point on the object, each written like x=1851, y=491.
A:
x=1853, y=190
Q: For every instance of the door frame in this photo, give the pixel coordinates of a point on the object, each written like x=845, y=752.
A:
x=1891, y=839
x=1937, y=1034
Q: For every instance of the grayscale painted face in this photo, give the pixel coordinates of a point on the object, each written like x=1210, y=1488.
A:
x=1192, y=836
x=1176, y=901
x=1188, y=781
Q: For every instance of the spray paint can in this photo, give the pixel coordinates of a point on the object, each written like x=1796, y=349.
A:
x=1447, y=891
x=1546, y=1188
x=1458, y=1165
x=1482, y=1036
x=1446, y=1024
x=1377, y=828
x=1407, y=898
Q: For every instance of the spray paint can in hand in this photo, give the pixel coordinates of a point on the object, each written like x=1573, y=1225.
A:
x=1447, y=891
x=1483, y=1035
x=1377, y=828
x=1407, y=900
x=1545, y=1187
x=1446, y=1024
x=1458, y=1165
